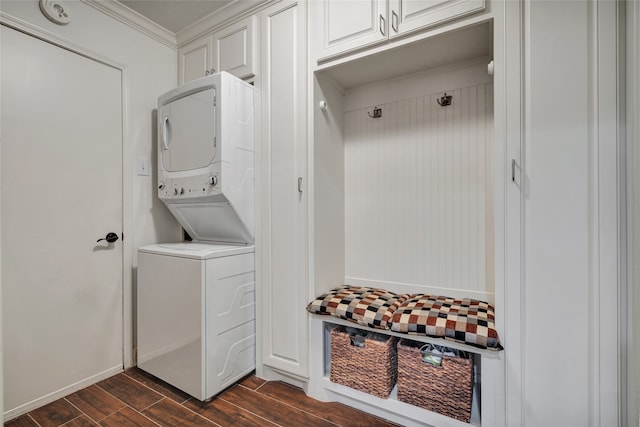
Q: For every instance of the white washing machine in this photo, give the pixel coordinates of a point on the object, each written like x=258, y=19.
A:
x=196, y=301
x=195, y=311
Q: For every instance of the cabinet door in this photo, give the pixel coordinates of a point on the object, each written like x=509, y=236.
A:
x=409, y=15
x=281, y=240
x=194, y=60
x=349, y=25
x=234, y=48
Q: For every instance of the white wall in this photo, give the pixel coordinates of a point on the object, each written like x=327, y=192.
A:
x=327, y=208
x=418, y=180
x=399, y=219
x=150, y=70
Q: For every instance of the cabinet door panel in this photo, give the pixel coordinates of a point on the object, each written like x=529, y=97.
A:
x=353, y=24
x=409, y=15
x=233, y=49
x=194, y=60
x=282, y=234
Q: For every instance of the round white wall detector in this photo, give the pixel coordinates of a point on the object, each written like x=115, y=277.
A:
x=56, y=10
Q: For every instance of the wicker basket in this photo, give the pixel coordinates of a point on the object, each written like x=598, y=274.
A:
x=371, y=368
x=446, y=389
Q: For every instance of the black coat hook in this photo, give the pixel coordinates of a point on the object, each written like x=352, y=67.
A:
x=444, y=100
x=377, y=113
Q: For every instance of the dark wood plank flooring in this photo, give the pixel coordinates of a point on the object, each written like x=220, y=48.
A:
x=135, y=398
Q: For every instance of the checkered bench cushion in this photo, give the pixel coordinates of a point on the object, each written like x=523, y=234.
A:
x=463, y=320
x=365, y=306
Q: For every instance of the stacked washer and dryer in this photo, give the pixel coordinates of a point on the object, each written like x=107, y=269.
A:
x=196, y=300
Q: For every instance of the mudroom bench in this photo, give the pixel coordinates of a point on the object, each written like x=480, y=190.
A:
x=413, y=359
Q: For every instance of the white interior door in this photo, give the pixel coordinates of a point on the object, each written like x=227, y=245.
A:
x=61, y=136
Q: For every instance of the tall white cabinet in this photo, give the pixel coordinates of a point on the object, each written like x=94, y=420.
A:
x=282, y=226
x=571, y=246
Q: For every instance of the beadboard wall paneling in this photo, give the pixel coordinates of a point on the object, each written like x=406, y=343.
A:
x=418, y=194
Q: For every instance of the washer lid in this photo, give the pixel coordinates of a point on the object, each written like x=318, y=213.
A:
x=196, y=250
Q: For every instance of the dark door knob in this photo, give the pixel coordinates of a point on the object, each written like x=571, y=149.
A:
x=110, y=237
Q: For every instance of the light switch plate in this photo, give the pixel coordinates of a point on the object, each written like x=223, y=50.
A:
x=142, y=166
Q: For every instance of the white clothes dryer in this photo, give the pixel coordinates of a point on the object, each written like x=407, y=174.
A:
x=206, y=156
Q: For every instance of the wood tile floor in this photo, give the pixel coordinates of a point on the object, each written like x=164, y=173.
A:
x=135, y=398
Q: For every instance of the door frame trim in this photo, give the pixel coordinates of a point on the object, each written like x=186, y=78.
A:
x=127, y=165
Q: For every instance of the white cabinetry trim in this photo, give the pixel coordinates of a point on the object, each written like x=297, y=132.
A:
x=228, y=15
x=509, y=80
x=630, y=297
x=604, y=236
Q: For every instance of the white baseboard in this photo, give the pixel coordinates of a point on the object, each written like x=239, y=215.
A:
x=271, y=374
x=65, y=391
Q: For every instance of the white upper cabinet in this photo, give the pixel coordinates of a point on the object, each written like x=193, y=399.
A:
x=355, y=24
x=230, y=49
x=352, y=24
x=233, y=48
x=410, y=15
x=194, y=60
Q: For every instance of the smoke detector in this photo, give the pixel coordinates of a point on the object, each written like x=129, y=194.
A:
x=56, y=11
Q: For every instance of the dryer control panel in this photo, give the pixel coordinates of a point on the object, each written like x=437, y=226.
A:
x=189, y=187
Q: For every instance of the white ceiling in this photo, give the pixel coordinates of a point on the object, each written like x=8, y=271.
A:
x=175, y=15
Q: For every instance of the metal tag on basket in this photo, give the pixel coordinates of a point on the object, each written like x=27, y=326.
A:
x=432, y=353
x=357, y=336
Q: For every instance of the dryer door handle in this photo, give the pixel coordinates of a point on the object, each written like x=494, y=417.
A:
x=166, y=133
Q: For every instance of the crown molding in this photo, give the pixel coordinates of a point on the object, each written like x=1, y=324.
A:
x=134, y=20
x=222, y=17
